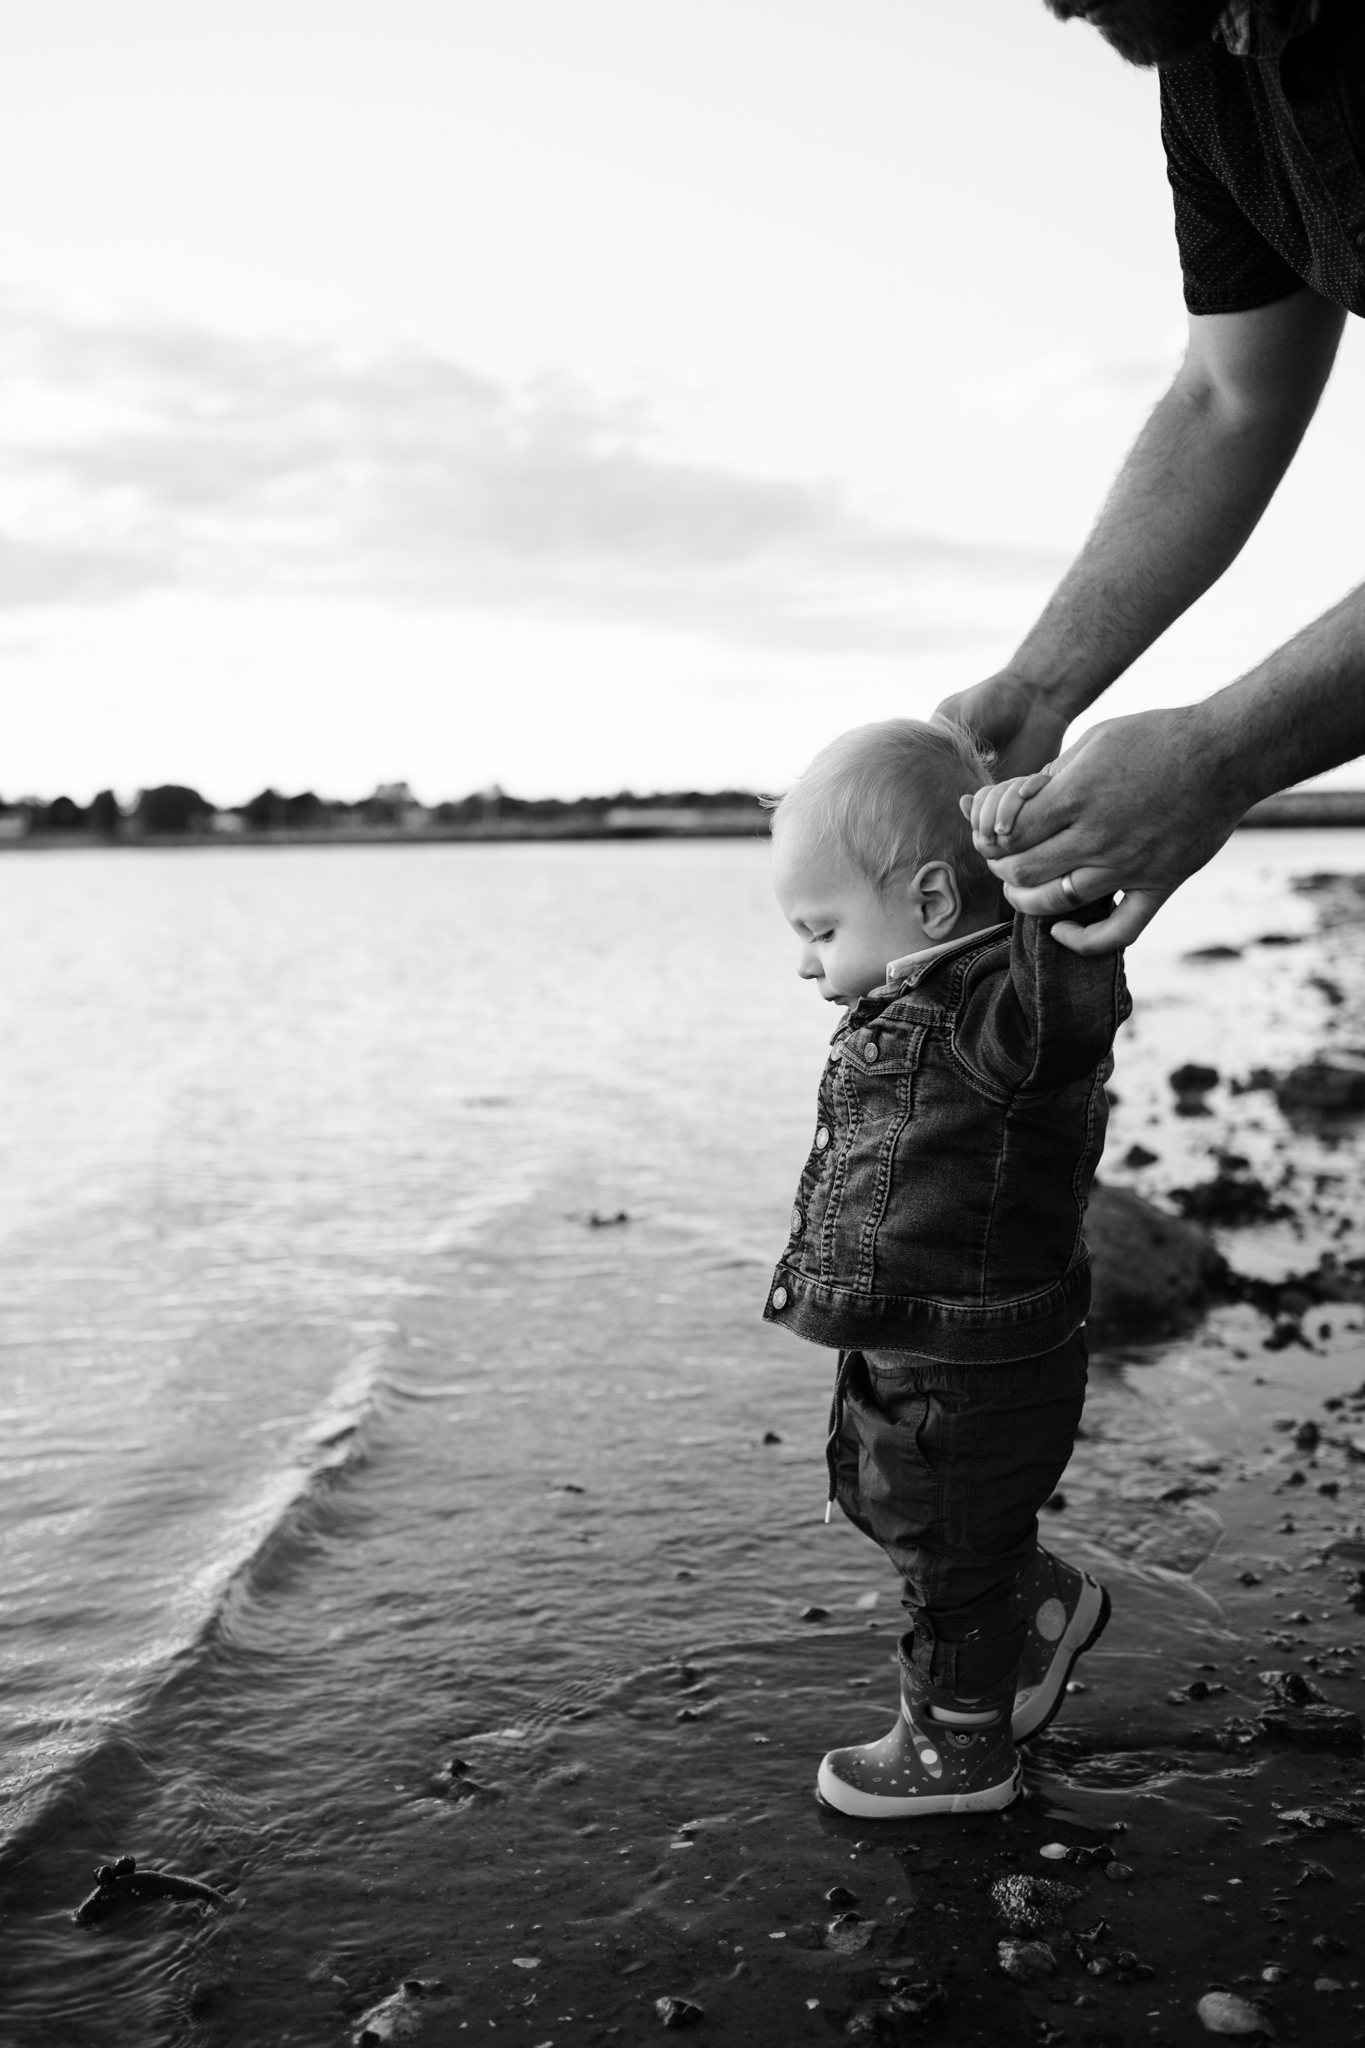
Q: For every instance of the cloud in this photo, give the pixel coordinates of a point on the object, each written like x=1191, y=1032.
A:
x=139, y=458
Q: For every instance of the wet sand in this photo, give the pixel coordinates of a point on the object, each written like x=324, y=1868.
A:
x=520, y=1701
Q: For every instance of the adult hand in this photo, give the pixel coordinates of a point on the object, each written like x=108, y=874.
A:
x=1137, y=805
x=1025, y=730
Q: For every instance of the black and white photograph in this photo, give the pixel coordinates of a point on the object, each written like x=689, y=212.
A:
x=682, y=1023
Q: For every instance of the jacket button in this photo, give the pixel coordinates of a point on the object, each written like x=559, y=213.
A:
x=821, y=1139
x=779, y=1297
x=870, y=1050
x=798, y=1223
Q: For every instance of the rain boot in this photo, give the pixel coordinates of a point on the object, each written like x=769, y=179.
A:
x=1064, y=1612
x=951, y=1751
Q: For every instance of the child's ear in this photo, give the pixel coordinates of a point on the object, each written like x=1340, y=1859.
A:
x=938, y=900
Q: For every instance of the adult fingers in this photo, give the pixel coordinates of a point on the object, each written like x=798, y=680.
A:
x=1123, y=924
x=1066, y=892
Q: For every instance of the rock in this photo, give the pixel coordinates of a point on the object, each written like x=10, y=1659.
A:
x=1192, y=1079
x=1214, y=953
x=1029, y=1905
x=1055, y=1504
x=1327, y=1984
x=596, y=1222
x=815, y=1614
x=1026, y=1961
x=1328, y=1945
x=1307, y=1436
x=1322, y=1088
x=1118, y=1873
x=1232, y=1199
x=848, y=1933
x=1314, y=1873
x=402, y=2015
x=915, y=1998
x=841, y=1898
x=1150, y=1272
x=677, y=2012
x=1222, y=2012
x=526, y=1962
x=770, y=1436
x=1056, y=1852
x=1138, y=1155
x=1274, y=1974
x=1313, y=1727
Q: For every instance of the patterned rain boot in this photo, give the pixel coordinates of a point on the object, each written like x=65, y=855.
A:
x=951, y=1751
x=1065, y=1612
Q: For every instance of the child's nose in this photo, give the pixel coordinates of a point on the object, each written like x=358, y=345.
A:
x=808, y=966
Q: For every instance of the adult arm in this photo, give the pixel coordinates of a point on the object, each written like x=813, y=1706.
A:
x=1131, y=806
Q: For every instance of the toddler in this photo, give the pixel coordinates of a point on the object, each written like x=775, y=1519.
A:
x=936, y=1244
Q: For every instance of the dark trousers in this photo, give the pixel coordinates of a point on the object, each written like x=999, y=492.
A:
x=946, y=1467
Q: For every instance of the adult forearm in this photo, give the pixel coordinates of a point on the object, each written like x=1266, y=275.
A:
x=1298, y=712
x=1197, y=480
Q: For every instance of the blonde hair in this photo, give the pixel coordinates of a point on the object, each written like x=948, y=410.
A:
x=886, y=796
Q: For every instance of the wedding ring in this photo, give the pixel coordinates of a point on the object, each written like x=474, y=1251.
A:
x=1069, y=891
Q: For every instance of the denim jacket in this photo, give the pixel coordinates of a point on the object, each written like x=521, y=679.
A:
x=961, y=1116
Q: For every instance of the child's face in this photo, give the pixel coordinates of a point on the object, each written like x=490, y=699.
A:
x=848, y=929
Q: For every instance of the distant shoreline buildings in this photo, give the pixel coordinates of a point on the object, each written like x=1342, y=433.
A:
x=173, y=814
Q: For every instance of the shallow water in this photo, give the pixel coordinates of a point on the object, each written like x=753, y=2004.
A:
x=340, y=1439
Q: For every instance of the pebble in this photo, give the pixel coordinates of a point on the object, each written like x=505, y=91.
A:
x=1327, y=1984
x=1056, y=1852
x=841, y=1898
x=1118, y=1873
x=1027, y=1905
x=1328, y=1945
x=401, y=2015
x=815, y=1614
x=1222, y=2012
x=1273, y=1974
x=770, y=1436
x=848, y=1933
x=1026, y=1961
x=677, y=2012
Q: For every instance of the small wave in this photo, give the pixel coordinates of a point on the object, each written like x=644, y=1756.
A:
x=259, y=1542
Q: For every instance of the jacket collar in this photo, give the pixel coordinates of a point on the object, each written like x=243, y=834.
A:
x=1262, y=28
x=912, y=967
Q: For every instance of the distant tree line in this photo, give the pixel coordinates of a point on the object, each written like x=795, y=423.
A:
x=174, y=810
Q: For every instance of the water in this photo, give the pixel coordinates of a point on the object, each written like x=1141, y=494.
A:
x=336, y=1431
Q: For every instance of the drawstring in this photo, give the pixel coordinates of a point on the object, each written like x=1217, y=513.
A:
x=836, y=1427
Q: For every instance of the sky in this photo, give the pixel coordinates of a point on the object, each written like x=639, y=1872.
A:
x=573, y=394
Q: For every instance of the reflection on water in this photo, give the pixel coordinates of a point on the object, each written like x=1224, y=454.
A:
x=338, y=1440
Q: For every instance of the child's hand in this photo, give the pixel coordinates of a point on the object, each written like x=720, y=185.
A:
x=994, y=809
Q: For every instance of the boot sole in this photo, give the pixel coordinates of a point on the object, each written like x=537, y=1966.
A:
x=1046, y=1703
x=833, y=1791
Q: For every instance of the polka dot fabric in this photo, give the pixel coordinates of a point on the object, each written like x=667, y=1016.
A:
x=1266, y=158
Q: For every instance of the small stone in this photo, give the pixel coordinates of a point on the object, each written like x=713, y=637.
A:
x=841, y=1898
x=1026, y=1961
x=770, y=1436
x=815, y=1614
x=1138, y=1156
x=1307, y=1436
x=1193, y=1079
x=1118, y=1873
x=1274, y=1974
x=1029, y=1905
x=848, y=1933
x=1056, y=1852
x=1328, y=1945
x=1327, y=1984
x=526, y=1962
x=677, y=2012
x=1314, y=1873
x=1222, y=2012
x=1313, y=1727
x=1055, y=1504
